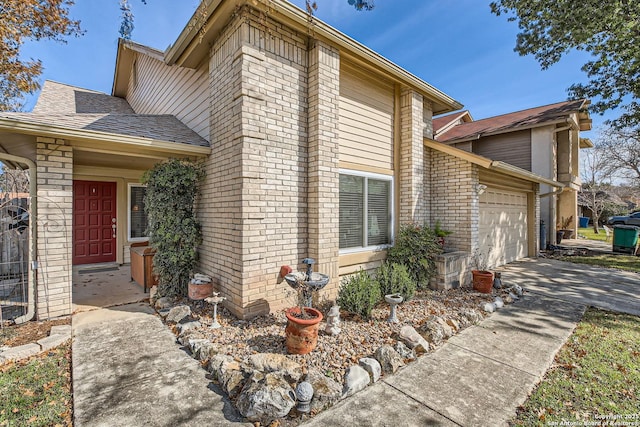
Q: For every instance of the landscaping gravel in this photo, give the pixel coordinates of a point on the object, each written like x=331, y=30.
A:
x=333, y=354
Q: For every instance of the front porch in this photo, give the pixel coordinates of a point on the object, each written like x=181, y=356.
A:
x=104, y=285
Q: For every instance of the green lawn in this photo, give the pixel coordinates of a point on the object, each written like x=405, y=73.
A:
x=37, y=392
x=588, y=233
x=621, y=262
x=595, y=374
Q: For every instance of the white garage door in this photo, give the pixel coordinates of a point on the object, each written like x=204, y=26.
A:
x=503, y=226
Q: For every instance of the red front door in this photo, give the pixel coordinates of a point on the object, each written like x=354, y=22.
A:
x=94, y=220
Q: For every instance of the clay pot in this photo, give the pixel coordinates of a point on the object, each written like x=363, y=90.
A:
x=200, y=292
x=302, y=334
x=482, y=281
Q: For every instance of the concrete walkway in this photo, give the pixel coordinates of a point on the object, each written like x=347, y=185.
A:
x=478, y=378
x=128, y=371
x=580, y=283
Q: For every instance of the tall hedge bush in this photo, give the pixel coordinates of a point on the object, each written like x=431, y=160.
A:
x=172, y=226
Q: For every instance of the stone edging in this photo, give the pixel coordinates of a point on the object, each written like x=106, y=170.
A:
x=58, y=335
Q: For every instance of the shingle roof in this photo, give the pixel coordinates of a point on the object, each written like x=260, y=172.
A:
x=81, y=109
x=519, y=119
x=443, y=123
x=159, y=127
x=59, y=98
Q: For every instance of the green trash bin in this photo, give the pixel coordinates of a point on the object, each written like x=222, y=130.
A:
x=625, y=238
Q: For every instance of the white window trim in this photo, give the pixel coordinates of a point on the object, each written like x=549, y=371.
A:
x=129, y=238
x=381, y=177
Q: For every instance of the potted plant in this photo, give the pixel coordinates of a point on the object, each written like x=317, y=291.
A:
x=482, y=278
x=173, y=229
x=303, y=321
x=563, y=227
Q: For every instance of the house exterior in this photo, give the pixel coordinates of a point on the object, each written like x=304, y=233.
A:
x=314, y=146
x=544, y=140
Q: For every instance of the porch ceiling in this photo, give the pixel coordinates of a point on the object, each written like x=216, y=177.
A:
x=18, y=145
x=117, y=161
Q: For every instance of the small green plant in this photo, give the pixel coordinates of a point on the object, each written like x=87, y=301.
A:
x=441, y=232
x=359, y=293
x=416, y=247
x=394, y=278
x=172, y=226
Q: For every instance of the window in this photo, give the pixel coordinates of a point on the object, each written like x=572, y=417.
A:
x=365, y=210
x=137, y=215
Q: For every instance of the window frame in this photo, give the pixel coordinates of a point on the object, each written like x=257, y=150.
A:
x=129, y=238
x=365, y=229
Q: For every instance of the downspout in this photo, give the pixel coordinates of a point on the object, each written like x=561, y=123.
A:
x=33, y=229
x=553, y=193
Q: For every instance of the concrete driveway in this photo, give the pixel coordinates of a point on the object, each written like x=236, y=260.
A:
x=599, y=287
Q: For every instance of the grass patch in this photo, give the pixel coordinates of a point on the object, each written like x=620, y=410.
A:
x=595, y=374
x=37, y=392
x=621, y=262
x=588, y=233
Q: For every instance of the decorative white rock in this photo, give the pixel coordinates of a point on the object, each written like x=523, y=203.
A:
x=372, y=366
x=489, y=307
x=356, y=379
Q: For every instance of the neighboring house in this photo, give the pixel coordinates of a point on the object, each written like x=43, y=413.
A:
x=314, y=146
x=544, y=140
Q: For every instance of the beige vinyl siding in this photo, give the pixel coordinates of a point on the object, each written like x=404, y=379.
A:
x=366, y=119
x=513, y=148
x=156, y=88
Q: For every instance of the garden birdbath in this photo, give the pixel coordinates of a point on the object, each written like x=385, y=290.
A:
x=215, y=300
x=393, y=300
x=307, y=283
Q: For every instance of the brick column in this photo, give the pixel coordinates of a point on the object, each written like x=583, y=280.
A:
x=323, y=173
x=55, y=208
x=412, y=206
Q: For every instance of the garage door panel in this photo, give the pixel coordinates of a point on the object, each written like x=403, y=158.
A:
x=503, y=231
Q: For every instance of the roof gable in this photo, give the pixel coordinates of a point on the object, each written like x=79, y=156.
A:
x=443, y=123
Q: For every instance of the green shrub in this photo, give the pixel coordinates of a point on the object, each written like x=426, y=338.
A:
x=394, y=278
x=359, y=293
x=173, y=230
x=416, y=248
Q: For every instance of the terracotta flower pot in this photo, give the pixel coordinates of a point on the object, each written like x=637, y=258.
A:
x=302, y=334
x=482, y=281
x=200, y=292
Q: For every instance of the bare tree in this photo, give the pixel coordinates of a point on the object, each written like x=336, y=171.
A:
x=596, y=181
x=622, y=148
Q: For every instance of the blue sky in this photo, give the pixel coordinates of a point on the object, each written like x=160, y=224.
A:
x=458, y=46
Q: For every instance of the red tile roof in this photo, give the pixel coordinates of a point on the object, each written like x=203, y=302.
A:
x=512, y=121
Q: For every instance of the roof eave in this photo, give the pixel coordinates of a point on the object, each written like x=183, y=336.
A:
x=192, y=44
x=150, y=144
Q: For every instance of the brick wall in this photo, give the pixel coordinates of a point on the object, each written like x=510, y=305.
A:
x=453, y=200
x=412, y=169
x=54, y=218
x=254, y=201
x=323, y=184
